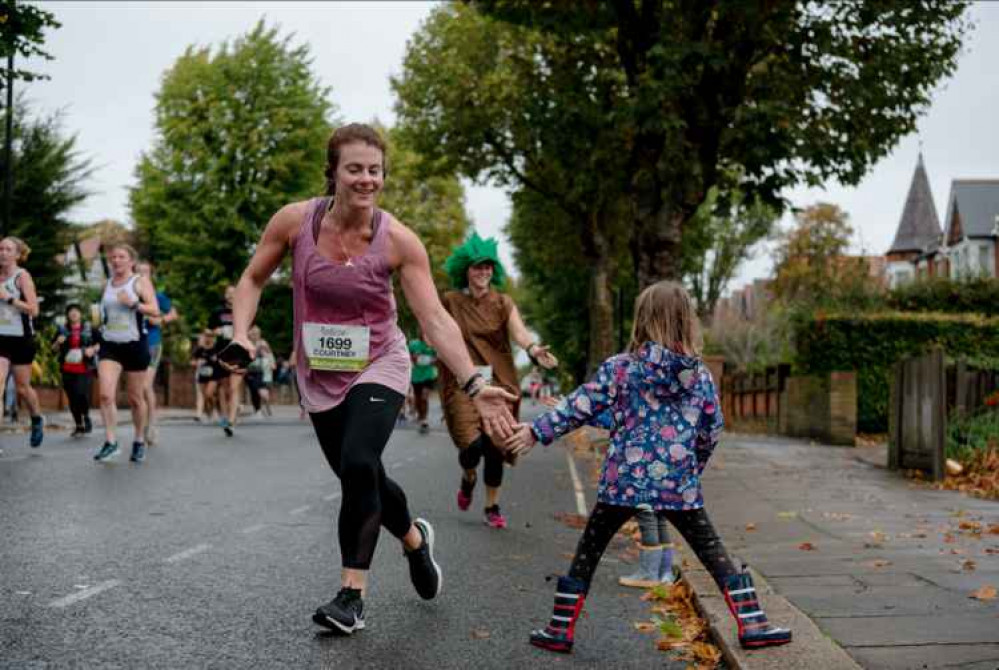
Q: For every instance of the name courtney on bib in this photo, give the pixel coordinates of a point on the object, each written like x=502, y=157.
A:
x=336, y=348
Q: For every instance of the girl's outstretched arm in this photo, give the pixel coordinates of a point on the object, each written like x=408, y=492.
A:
x=582, y=406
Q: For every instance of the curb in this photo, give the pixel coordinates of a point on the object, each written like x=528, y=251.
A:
x=810, y=649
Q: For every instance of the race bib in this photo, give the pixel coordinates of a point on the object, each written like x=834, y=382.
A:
x=486, y=371
x=425, y=359
x=119, y=321
x=227, y=332
x=74, y=356
x=8, y=315
x=205, y=371
x=336, y=348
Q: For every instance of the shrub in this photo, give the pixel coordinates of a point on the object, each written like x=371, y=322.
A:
x=977, y=295
x=969, y=434
x=871, y=343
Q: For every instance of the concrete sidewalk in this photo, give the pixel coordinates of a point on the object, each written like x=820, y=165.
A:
x=885, y=567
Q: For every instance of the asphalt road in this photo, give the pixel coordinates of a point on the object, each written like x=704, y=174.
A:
x=215, y=552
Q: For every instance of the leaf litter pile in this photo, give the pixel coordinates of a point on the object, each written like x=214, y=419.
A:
x=680, y=629
x=977, y=476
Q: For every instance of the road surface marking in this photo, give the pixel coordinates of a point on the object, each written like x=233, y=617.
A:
x=84, y=594
x=187, y=553
x=580, y=498
x=394, y=465
x=331, y=497
x=300, y=510
x=249, y=530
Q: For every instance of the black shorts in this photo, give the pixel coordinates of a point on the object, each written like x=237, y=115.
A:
x=17, y=350
x=428, y=385
x=132, y=356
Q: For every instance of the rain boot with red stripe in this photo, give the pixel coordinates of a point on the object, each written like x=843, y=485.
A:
x=557, y=635
x=754, y=629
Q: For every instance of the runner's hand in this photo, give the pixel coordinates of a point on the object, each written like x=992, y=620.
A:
x=246, y=344
x=544, y=357
x=551, y=401
x=491, y=403
x=520, y=441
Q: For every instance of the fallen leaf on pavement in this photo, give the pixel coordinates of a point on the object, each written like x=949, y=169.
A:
x=992, y=550
x=949, y=539
x=569, y=555
x=787, y=515
x=571, y=520
x=807, y=546
x=837, y=516
x=993, y=529
x=645, y=626
x=972, y=527
x=968, y=565
x=480, y=634
x=957, y=552
x=878, y=536
x=750, y=526
x=880, y=563
x=987, y=592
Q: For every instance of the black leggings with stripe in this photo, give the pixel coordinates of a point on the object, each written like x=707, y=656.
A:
x=353, y=436
x=695, y=526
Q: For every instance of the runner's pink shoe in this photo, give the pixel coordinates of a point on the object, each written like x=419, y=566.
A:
x=494, y=519
x=464, y=501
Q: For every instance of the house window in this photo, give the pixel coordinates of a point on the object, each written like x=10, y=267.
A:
x=983, y=260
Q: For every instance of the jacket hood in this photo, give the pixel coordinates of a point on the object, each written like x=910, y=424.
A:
x=668, y=373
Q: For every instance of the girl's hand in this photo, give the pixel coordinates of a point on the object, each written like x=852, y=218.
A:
x=521, y=441
x=551, y=401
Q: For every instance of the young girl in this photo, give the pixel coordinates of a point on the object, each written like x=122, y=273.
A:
x=665, y=423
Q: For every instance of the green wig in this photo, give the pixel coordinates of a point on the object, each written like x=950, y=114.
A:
x=474, y=250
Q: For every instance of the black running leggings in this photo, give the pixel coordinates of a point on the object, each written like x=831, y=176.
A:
x=470, y=456
x=77, y=387
x=353, y=436
x=695, y=526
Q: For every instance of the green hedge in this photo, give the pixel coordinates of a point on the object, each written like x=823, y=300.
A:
x=871, y=343
x=978, y=295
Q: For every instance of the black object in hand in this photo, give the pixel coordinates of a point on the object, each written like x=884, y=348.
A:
x=235, y=355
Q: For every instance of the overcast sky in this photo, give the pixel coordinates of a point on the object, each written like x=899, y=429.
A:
x=110, y=56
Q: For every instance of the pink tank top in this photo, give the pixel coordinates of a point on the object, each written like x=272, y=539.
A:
x=334, y=293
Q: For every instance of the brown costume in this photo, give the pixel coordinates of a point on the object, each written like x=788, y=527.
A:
x=483, y=324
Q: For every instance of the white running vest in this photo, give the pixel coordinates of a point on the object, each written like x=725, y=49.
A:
x=13, y=322
x=121, y=323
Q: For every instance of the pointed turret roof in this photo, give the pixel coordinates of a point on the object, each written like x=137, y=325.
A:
x=919, y=226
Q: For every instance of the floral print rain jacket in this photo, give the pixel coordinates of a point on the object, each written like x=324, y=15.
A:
x=665, y=420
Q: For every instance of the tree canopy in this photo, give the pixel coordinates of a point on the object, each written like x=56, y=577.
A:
x=241, y=130
x=22, y=32
x=50, y=177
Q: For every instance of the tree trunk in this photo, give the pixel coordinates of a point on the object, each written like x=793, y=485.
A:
x=657, y=246
x=601, y=314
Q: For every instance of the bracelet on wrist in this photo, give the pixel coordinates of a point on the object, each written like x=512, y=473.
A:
x=471, y=381
x=477, y=389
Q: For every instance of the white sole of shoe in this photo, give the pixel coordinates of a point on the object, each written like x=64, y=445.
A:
x=428, y=531
x=336, y=625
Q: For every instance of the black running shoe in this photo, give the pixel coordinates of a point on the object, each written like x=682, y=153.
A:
x=344, y=614
x=423, y=569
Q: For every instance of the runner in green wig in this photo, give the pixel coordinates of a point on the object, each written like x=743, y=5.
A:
x=474, y=250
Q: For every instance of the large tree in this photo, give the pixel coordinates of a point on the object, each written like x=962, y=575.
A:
x=22, y=33
x=431, y=203
x=49, y=179
x=241, y=130
x=481, y=97
x=795, y=92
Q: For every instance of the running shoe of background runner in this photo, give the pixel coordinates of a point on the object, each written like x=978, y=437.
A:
x=344, y=614
x=138, y=452
x=423, y=569
x=107, y=451
x=37, y=432
x=226, y=426
x=494, y=518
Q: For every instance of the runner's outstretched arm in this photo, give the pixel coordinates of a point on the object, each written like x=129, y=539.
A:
x=443, y=333
x=273, y=245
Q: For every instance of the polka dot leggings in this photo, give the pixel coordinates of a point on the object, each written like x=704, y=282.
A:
x=695, y=526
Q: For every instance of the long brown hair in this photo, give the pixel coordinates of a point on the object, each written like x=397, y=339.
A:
x=664, y=313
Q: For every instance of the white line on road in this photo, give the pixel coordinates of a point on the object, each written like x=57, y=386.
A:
x=187, y=553
x=249, y=530
x=84, y=594
x=331, y=497
x=411, y=459
x=394, y=466
x=300, y=510
x=580, y=498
